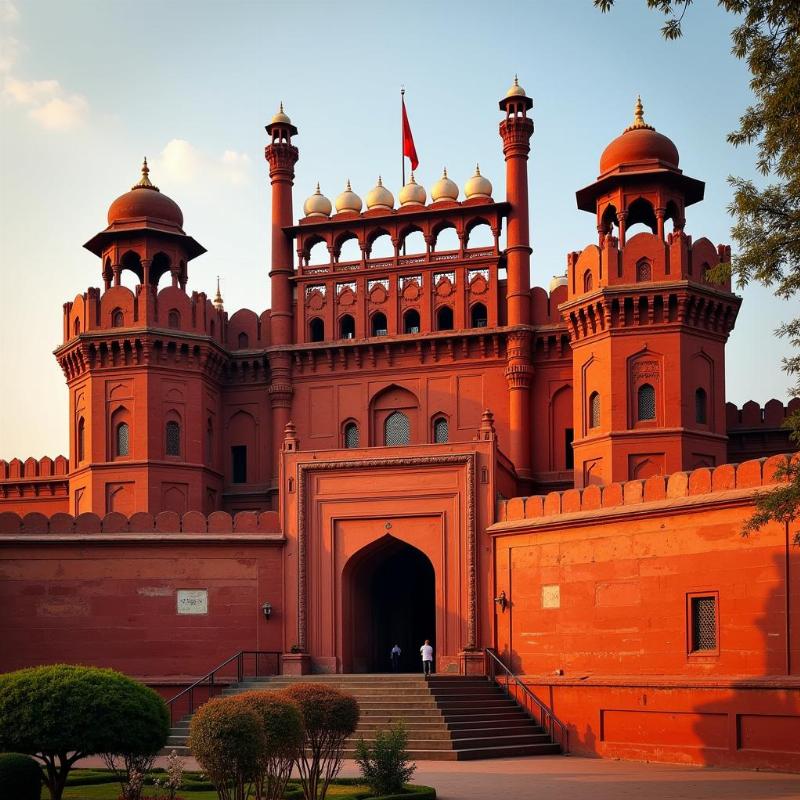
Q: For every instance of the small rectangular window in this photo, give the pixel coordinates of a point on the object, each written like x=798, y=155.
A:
x=703, y=624
x=239, y=463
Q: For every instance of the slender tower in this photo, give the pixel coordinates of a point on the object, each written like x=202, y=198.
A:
x=282, y=155
x=516, y=131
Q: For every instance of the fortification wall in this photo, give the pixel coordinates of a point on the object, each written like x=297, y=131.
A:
x=755, y=432
x=40, y=484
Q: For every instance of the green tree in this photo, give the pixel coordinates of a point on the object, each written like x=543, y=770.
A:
x=62, y=713
x=385, y=764
x=766, y=225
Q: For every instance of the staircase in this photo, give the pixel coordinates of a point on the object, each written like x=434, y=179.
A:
x=447, y=717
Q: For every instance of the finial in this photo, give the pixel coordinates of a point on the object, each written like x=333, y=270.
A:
x=347, y=188
x=218, y=299
x=380, y=181
x=411, y=179
x=444, y=172
x=516, y=80
x=317, y=189
x=638, y=117
x=144, y=182
x=477, y=169
x=281, y=109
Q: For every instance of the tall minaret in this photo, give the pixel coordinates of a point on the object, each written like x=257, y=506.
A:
x=282, y=155
x=516, y=131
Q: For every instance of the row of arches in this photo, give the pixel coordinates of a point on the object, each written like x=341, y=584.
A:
x=121, y=437
x=131, y=270
x=397, y=431
x=646, y=406
x=380, y=245
x=379, y=326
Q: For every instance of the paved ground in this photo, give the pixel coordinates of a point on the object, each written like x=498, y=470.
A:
x=572, y=778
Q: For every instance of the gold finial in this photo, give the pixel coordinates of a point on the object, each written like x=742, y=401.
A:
x=218, y=299
x=347, y=188
x=638, y=117
x=516, y=80
x=317, y=190
x=444, y=172
x=477, y=169
x=144, y=182
x=380, y=181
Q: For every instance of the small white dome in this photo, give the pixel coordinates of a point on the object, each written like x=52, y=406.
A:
x=348, y=200
x=478, y=186
x=558, y=280
x=444, y=189
x=281, y=117
x=516, y=90
x=317, y=205
x=412, y=194
x=380, y=197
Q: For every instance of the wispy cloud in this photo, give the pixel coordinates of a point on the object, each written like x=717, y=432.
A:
x=182, y=162
x=46, y=101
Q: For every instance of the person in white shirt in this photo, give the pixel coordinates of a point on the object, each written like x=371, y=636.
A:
x=427, y=657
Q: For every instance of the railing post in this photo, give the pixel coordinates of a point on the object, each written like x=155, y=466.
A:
x=240, y=666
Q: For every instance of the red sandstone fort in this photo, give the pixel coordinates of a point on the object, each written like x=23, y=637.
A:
x=414, y=443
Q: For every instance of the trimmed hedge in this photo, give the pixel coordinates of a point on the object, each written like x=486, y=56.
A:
x=20, y=777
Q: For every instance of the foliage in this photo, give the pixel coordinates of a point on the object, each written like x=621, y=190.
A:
x=766, y=219
x=20, y=777
x=227, y=739
x=168, y=786
x=283, y=732
x=329, y=717
x=385, y=764
x=62, y=713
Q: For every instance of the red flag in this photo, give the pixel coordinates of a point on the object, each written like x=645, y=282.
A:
x=408, y=140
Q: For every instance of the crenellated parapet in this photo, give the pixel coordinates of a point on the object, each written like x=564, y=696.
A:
x=748, y=477
x=39, y=483
x=754, y=431
x=166, y=522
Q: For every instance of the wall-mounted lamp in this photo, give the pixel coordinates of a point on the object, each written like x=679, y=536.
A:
x=266, y=610
x=502, y=600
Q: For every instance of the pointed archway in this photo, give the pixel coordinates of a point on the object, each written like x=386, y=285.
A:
x=388, y=598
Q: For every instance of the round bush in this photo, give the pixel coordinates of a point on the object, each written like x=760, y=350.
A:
x=280, y=717
x=324, y=709
x=20, y=777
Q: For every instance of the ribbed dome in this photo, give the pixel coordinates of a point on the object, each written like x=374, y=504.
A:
x=317, y=205
x=639, y=142
x=444, y=189
x=478, y=186
x=558, y=280
x=412, y=194
x=380, y=197
x=145, y=200
x=348, y=200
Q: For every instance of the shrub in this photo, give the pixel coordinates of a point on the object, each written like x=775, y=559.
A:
x=63, y=713
x=227, y=738
x=283, y=733
x=329, y=717
x=20, y=777
x=385, y=764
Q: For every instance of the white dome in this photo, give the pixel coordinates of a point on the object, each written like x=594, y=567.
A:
x=281, y=117
x=348, y=200
x=516, y=90
x=412, y=194
x=380, y=197
x=444, y=189
x=317, y=205
x=478, y=186
x=558, y=280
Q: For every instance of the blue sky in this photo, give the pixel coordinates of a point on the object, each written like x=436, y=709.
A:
x=88, y=87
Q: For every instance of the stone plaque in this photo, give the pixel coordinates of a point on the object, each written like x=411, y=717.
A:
x=551, y=596
x=193, y=601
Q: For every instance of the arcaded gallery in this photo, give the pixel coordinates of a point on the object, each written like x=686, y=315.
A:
x=414, y=443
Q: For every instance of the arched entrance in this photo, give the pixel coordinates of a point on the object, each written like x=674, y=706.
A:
x=389, y=597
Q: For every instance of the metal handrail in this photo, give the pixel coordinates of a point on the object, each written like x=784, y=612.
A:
x=209, y=678
x=552, y=725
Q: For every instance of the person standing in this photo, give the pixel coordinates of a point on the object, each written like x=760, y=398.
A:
x=427, y=657
x=395, y=656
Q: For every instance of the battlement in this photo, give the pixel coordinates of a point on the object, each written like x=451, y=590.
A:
x=266, y=522
x=705, y=481
x=752, y=416
x=32, y=468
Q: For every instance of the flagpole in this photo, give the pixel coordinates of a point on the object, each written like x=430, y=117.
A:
x=402, y=148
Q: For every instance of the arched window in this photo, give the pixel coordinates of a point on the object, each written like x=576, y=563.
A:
x=700, y=406
x=316, y=330
x=644, y=272
x=478, y=316
x=351, y=435
x=444, y=319
x=173, y=439
x=244, y=341
x=646, y=402
x=440, y=430
x=117, y=318
x=411, y=321
x=76, y=327
x=81, y=438
x=347, y=327
x=588, y=283
x=379, y=326
x=594, y=410
x=122, y=439
x=174, y=319
x=396, y=430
